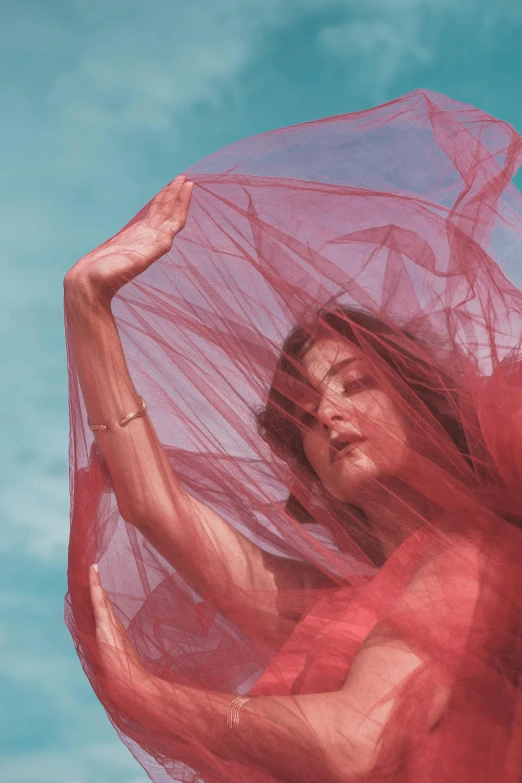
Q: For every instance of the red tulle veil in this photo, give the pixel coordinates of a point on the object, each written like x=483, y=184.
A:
x=397, y=229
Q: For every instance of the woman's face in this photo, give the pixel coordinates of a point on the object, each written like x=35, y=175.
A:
x=354, y=432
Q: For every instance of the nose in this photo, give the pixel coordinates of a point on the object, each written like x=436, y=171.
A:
x=330, y=410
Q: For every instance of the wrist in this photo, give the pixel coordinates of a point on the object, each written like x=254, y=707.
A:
x=81, y=295
x=135, y=693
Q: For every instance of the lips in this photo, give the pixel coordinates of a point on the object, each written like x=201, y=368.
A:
x=342, y=445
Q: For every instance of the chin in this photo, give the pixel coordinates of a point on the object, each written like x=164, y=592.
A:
x=354, y=481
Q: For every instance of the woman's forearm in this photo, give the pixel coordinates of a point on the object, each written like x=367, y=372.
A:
x=301, y=739
x=208, y=552
x=143, y=481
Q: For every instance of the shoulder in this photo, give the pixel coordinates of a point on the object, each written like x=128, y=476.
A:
x=452, y=567
x=454, y=553
x=436, y=607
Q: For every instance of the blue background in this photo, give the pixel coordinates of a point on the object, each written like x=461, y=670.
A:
x=103, y=102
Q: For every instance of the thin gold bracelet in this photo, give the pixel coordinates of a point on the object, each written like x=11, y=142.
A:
x=123, y=422
x=233, y=713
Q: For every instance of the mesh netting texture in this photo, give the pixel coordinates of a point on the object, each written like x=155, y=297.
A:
x=322, y=506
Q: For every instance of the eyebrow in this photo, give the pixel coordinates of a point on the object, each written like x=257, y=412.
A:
x=335, y=368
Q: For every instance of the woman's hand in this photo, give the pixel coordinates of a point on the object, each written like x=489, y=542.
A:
x=103, y=271
x=125, y=679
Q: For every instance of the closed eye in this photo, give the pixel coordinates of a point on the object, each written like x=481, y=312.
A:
x=359, y=385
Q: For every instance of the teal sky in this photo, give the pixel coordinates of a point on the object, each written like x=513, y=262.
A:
x=103, y=102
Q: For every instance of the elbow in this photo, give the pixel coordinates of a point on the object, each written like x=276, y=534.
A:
x=359, y=758
x=345, y=767
x=132, y=513
x=74, y=285
x=136, y=516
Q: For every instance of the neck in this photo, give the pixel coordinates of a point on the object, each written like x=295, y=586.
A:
x=394, y=511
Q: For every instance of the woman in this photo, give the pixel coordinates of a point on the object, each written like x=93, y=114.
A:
x=375, y=659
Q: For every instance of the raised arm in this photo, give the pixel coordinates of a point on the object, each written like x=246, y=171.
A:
x=204, y=549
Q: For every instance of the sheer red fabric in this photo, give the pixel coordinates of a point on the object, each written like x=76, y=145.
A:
x=371, y=599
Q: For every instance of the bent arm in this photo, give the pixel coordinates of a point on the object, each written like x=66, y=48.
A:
x=210, y=555
x=309, y=738
x=338, y=736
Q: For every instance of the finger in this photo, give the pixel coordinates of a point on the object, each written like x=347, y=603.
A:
x=163, y=202
x=102, y=607
x=173, y=219
x=183, y=203
x=96, y=592
x=177, y=218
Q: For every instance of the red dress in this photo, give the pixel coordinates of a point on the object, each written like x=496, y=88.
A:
x=482, y=670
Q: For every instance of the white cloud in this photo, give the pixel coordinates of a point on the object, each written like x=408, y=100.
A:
x=143, y=63
x=376, y=50
x=380, y=39
x=383, y=37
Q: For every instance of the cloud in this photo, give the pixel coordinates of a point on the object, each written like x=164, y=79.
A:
x=141, y=66
x=382, y=38
x=379, y=40
x=90, y=87
x=377, y=50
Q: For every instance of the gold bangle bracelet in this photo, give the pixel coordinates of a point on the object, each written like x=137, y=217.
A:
x=123, y=422
x=233, y=713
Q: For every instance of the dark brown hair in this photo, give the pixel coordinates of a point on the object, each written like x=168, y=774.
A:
x=411, y=365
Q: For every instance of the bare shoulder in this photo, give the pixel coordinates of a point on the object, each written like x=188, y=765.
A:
x=453, y=543
x=445, y=589
x=452, y=557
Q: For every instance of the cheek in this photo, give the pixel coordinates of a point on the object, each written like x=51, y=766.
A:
x=387, y=433
x=315, y=449
x=375, y=416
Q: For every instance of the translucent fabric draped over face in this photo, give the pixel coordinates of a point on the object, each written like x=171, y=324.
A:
x=404, y=212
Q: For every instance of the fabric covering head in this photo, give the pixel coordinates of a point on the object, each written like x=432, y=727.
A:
x=330, y=358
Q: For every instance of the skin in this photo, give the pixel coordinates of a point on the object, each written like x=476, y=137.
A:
x=351, y=404
x=373, y=475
